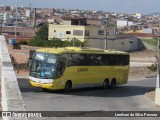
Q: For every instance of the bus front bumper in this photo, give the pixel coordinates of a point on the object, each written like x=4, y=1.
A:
x=47, y=86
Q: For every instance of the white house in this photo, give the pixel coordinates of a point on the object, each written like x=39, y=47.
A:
x=6, y=16
x=123, y=23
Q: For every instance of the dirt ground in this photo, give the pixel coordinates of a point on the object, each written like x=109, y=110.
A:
x=140, y=72
x=21, y=56
x=143, y=54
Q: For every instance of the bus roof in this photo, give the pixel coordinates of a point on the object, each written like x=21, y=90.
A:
x=79, y=50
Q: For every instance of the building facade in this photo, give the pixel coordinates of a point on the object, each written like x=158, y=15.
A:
x=116, y=43
x=75, y=28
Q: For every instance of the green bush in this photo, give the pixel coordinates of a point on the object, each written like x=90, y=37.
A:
x=22, y=42
x=55, y=42
x=153, y=67
x=39, y=43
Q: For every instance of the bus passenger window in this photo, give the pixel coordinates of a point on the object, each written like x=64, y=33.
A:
x=105, y=60
x=82, y=59
x=73, y=60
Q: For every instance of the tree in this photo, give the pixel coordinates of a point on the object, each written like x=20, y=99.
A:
x=42, y=33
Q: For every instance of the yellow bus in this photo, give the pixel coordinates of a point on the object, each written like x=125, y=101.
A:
x=74, y=67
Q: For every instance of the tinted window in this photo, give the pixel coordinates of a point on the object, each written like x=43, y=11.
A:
x=119, y=60
x=97, y=60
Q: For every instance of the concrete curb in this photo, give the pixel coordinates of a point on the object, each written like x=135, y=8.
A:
x=11, y=95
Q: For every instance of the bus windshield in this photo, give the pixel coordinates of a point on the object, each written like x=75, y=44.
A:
x=43, y=65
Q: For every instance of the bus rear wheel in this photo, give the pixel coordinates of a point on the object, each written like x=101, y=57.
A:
x=105, y=84
x=113, y=83
x=68, y=86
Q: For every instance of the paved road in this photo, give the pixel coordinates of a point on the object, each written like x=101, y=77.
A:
x=126, y=97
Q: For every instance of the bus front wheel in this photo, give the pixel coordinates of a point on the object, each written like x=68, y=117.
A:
x=105, y=84
x=68, y=86
x=113, y=83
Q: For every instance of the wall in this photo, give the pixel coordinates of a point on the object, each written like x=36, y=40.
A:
x=11, y=95
x=26, y=32
x=56, y=30
x=149, y=30
x=126, y=44
x=59, y=31
x=66, y=22
x=121, y=23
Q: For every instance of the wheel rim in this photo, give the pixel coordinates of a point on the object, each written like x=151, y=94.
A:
x=68, y=86
x=106, y=84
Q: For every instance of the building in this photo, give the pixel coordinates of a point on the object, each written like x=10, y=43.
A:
x=21, y=31
x=120, y=43
x=94, y=36
x=148, y=30
x=137, y=15
x=5, y=16
x=123, y=23
x=75, y=28
x=1, y=16
x=28, y=12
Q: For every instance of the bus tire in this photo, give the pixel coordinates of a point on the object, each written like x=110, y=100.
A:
x=113, y=83
x=45, y=90
x=68, y=86
x=105, y=84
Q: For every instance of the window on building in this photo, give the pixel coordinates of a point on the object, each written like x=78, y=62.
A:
x=100, y=32
x=68, y=32
x=86, y=32
x=78, y=32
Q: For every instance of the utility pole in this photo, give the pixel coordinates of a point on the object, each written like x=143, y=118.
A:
x=1, y=26
x=106, y=35
x=157, y=91
x=16, y=19
x=34, y=25
x=1, y=20
x=73, y=42
x=30, y=15
x=106, y=39
x=158, y=66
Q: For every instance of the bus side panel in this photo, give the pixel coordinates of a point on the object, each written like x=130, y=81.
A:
x=86, y=74
x=120, y=74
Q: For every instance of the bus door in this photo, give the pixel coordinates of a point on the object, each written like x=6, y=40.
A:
x=61, y=66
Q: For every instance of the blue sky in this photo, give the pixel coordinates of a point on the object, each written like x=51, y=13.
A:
x=117, y=6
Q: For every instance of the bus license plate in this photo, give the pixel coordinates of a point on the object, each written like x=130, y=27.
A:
x=39, y=85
